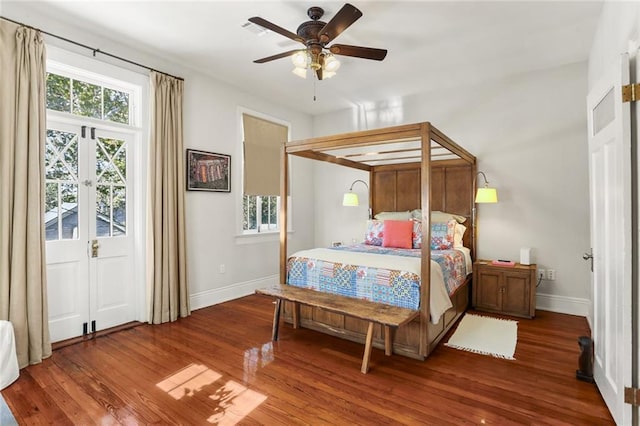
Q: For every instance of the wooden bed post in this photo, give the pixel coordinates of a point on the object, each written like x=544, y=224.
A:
x=425, y=287
x=284, y=191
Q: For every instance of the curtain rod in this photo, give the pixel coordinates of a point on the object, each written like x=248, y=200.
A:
x=94, y=50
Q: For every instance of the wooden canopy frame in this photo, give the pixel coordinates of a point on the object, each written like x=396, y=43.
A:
x=420, y=145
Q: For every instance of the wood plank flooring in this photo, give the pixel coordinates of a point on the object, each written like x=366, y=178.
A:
x=219, y=367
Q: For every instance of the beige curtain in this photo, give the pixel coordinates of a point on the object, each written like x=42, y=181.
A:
x=23, y=288
x=166, y=251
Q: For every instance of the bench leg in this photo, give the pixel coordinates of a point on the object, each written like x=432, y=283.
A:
x=388, y=342
x=296, y=314
x=276, y=320
x=367, y=350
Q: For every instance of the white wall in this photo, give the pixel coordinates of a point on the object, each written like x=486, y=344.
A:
x=528, y=133
x=211, y=114
x=618, y=31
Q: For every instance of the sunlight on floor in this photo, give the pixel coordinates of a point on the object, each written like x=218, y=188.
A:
x=233, y=401
x=188, y=381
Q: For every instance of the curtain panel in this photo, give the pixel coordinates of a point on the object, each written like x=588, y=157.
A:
x=23, y=288
x=166, y=250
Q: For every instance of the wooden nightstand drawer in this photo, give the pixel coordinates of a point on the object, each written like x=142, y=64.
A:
x=504, y=289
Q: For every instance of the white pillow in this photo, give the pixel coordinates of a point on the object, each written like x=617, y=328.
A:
x=437, y=216
x=393, y=215
x=458, y=233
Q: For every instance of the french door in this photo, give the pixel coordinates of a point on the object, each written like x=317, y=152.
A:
x=88, y=228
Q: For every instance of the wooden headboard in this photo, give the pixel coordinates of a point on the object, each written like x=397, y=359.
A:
x=397, y=188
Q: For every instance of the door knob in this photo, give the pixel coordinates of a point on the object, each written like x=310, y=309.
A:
x=589, y=256
x=94, y=248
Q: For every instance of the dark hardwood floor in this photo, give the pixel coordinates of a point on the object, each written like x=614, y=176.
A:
x=219, y=367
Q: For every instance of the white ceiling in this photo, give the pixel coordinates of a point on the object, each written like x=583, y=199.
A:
x=432, y=45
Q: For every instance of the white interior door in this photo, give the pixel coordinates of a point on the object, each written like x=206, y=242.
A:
x=88, y=231
x=610, y=208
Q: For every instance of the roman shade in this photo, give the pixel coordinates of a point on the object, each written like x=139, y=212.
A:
x=262, y=142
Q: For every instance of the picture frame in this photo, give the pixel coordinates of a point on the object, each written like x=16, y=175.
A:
x=208, y=171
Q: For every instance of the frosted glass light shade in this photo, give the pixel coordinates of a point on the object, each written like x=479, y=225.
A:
x=300, y=72
x=300, y=59
x=350, y=199
x=486, y=195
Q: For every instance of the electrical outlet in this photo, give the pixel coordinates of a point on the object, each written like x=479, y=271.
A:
x=223, y=269
x=542, y=274
x=551, y=274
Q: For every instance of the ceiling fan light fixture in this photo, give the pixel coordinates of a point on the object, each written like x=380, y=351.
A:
x=300, y=72
x=328, y=74
x=301, y=59
x=331, y=64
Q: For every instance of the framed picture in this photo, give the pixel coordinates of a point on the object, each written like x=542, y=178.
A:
x=208, y=171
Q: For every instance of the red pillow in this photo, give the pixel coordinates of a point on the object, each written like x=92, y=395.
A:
x=397, y=233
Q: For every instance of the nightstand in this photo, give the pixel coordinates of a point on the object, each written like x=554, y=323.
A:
x=507, y=290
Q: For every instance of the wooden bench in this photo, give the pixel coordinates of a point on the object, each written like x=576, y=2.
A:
x=386, y=315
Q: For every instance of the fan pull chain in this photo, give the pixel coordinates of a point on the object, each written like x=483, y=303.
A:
x=314, y=90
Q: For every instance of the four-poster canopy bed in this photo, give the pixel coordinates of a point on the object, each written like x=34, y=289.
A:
x=410, y=167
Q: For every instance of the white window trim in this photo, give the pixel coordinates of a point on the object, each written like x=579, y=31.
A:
x=248, y=237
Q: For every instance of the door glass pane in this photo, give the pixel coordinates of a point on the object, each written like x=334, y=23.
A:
x=61, y=179
x=111, y=195
x=58, y=93
x=116, y=106
x=604, y=112
x=87, y=99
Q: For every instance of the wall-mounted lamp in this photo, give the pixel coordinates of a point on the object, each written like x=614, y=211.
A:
x=350, y=199
x=485, y=194
x=482, y=195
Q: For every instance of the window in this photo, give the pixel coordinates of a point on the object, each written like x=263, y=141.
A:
x=67, y=167
x=262, y=141
x=66, y=94
x=260, y=213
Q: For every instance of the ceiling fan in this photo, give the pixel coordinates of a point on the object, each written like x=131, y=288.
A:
x=315, y=35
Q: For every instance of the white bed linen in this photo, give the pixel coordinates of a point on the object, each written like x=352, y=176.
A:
x=467, y=258
x=439, y=301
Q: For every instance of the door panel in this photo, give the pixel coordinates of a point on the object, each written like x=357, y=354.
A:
x=516, y=297
x=489, y=295
x=610, y=208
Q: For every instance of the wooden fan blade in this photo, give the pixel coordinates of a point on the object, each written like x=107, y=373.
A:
x=319, y=73
x=340, y=22
x=278, y=56
x=276, y=29
x=358, y=52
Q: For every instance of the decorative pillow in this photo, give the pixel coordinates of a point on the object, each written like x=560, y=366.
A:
x=442, y=235
x=375, y=232
x=397, y=233
x=458, y=233
x=416, y=235
x=393, y=215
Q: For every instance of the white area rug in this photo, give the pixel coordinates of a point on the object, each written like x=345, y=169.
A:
x=485, y=335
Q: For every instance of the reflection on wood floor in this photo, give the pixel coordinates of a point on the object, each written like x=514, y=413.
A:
x=219, y=367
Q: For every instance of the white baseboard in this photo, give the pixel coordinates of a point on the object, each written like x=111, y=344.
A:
x=230, y=292
x=563, y=304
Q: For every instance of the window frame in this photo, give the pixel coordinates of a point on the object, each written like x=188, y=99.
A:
x=241, y=232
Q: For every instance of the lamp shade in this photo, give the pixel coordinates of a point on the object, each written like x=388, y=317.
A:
x=350, y=199
x=486, y=195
